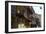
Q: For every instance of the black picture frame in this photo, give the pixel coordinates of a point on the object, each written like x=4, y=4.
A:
x=6, y=16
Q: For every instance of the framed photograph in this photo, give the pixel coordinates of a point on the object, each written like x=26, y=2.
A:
x=24, y=16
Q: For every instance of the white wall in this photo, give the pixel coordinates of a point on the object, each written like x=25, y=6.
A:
x=2, y=16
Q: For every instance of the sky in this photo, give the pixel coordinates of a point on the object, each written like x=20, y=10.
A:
x=37, y=9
